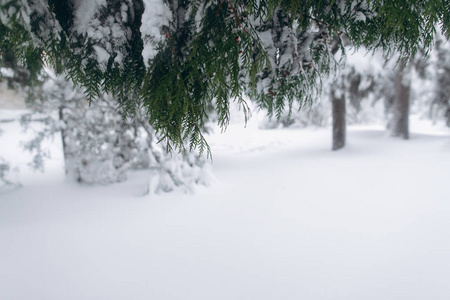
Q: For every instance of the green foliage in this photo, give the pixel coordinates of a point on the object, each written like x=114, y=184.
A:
x=212, y=52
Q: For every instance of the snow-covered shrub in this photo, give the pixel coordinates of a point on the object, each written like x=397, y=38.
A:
x=4, y=172
x=100, y=146
x=4, y=168
x=431, y=88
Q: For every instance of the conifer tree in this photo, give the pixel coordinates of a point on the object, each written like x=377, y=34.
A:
x=99, y=147
x=176, y=58
x=16, y=78
x=430, y=91
x=440, y=105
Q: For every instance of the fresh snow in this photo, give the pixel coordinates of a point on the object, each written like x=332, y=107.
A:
x=85, y=11
x=157, y=15
x=285, y=219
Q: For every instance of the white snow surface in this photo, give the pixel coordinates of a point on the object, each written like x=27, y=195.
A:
x=286, y=219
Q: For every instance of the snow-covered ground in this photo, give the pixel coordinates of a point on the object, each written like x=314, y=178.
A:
x=285, y=219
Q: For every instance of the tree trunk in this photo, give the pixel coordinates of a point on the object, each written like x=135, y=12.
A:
x=63, y=139
x=400, y=113
x=338, y=107
x=339, y=114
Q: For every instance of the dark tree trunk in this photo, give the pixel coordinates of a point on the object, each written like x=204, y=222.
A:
x=354, y=94
x=63, y=139
x=400, y=109
x=338, y=108
x=339, y=114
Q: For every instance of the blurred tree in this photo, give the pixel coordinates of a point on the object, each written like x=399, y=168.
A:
x=441, y=101
x=99, y=146
x=16, y=77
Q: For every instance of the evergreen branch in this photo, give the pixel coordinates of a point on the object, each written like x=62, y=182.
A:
x=220, y=7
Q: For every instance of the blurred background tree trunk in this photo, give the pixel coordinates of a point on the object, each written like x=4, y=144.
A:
x=400, y=108
x=339, y=115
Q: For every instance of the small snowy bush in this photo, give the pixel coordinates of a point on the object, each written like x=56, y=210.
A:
x=431, y=88
x=100, y=146
x=4, y=169
x=7, y=175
